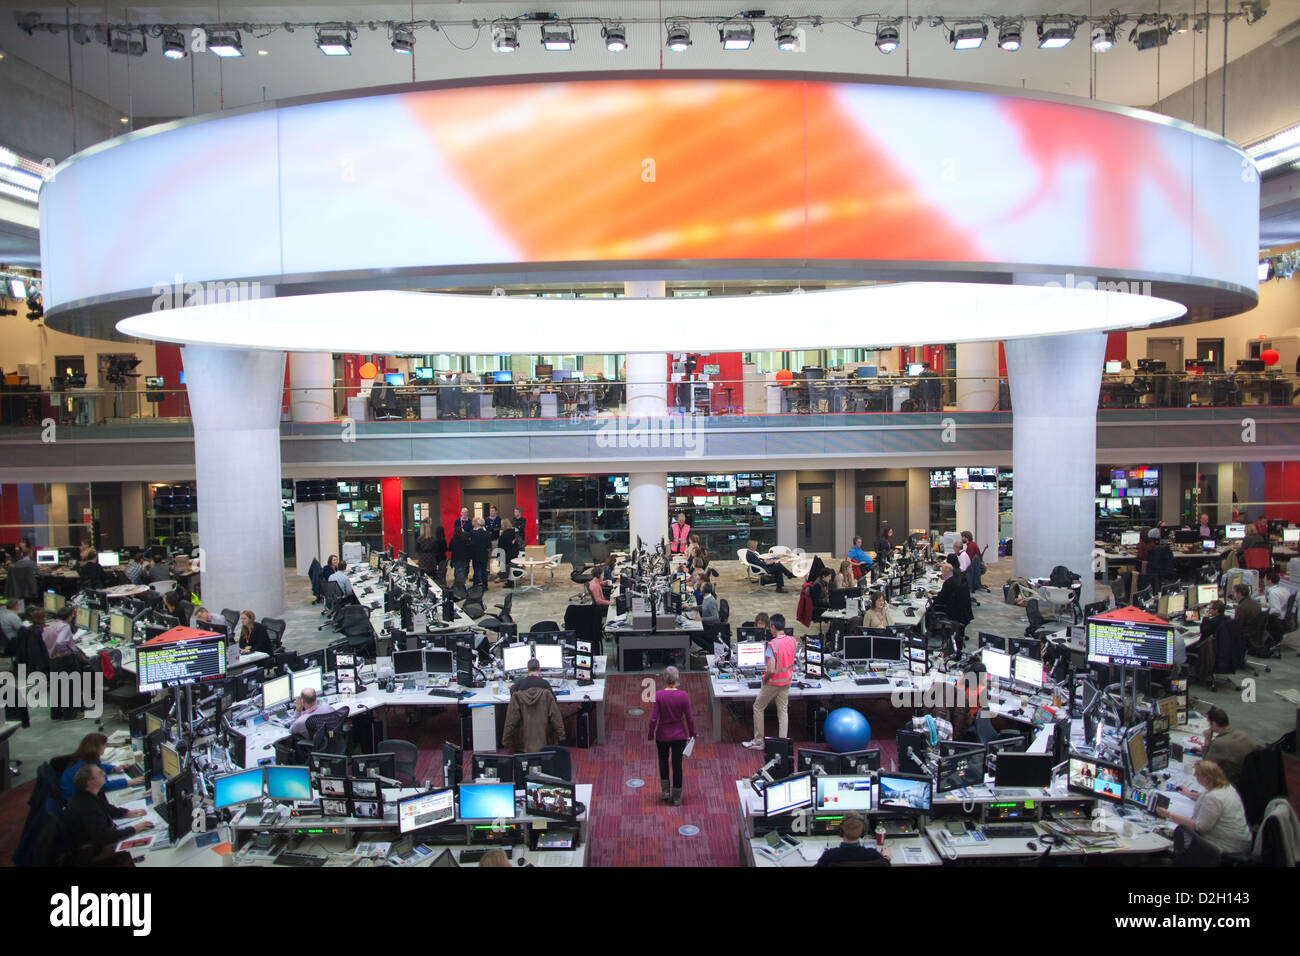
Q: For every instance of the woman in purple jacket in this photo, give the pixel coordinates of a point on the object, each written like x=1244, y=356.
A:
x=671, y=725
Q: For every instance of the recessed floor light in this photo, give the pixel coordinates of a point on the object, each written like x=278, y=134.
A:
x=263, y=52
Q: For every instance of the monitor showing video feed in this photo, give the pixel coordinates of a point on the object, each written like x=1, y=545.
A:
x=555, y=799
x=841, y=794
x=901, y=791
x=1095, y=778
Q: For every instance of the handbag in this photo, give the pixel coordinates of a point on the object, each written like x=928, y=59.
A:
x=690, y=746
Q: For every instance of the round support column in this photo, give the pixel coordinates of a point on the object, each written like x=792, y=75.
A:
x=647, y=372
x=1054, y=382
x=235, y=404
x=647, y=507
x=311, y=386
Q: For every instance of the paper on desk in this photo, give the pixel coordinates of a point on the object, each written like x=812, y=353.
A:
x=729, y=688
x=137, y=842
x=372, y=849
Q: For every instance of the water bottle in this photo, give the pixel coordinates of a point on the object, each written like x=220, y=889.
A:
x=880, y=836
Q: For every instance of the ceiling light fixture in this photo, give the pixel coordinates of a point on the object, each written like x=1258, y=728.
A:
x=787, y=36
x=1280, y=149
x=679, y=36
x=1054, y=33
x=615, y=37
x=1148, y=36
x=505, y=38
x=225, y=43
x=1103, y=38
x=128, y=41
x=558, y=37
x=886, y=37
x=969, y=35
x=1009, y=32
x=334, y=39
x=736, y=35
x=403, y=39
x=173, y=43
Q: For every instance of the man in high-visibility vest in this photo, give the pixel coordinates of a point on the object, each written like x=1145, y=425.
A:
x=680, y=532
x=776, y=680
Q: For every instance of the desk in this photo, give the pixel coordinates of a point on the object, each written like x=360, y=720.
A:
x=677, y=637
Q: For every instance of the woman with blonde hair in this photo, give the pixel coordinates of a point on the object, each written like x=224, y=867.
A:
x=877, y=613
x=671, y=725
x=844, y=577
x=1219, y=817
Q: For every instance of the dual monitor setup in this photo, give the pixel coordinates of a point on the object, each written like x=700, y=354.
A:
x=544, y=797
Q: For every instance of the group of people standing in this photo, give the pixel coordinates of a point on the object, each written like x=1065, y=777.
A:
x=470, y=547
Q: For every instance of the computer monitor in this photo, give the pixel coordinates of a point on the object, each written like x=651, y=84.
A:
x=1130, y=539
x=788, y=795
x=1208, y=544
x=843, y=794
x=1172, y=603
x=1185, y=536
x=47, y=557
x=1291, y=535
x=750, y=655
x=426, y=810
x=408, y=662
x=542, y=372
x=277, y=691
x=54, y=602
x=1096, y=778
x=915, y=368
x=438, y=662
x=394, y=378
x=996, y=663
x=817, y=762
x=328, y=765
x=288, y=783
x=1135, y=751
x=995, y=641
x=860, y=762
x=243, y=786
x=550, y=656
x=84, y=619
x=503, y=378
x=1235, y=532
x=304, y=679
x=1014, y=769
x=1027, y=670
x=868, y=371
x=1205, y=593
x=839, y=596
x=553, y=799
x=904, y=791
x=886, y=648
x=515, y=657
x=856, y=647
x=1114, y=367
x=548, y=763
x=490, y=767
x=373, y=765
x=110, y=559
x=171, y=762
x=487, y=801
x=119, y=625
x=1130, y=644
x=959, y=770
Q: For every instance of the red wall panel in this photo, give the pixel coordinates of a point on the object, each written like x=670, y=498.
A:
x=526, y=501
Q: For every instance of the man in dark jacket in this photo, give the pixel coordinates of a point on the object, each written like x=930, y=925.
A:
x=88, y=820
x=533, y=718
x=480, y=546
x=953, y=598
x=851, y=849
x=21, y=583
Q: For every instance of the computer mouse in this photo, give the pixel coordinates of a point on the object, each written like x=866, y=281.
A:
x=1033, y=847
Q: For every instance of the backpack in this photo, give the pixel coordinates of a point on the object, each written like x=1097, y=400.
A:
x=1061, y=577
x=724, y=611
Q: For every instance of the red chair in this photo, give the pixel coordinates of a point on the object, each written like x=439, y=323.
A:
x=1257, y=559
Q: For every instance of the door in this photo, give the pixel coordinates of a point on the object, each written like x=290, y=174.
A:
x=816, y=517
x=878, y=505
x=1169, y=351
x=416, y=506
x=1209, y=352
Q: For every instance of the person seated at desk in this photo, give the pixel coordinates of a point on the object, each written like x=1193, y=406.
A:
x=862, y=562
x=60, y=648
x=306, y=707
x=88, y=818
x=90, y=753
x=953, y=598
x=1219, y=817
x=340, y=577
x=607, y=569
x=206, y=619
x=91, y=572
x=877, y=613
x=10, y=624
x=851, y=849
x=845, y=576
x=175, y=605
x=1253, y=539
x=533, y=718
x=21, y=582
x=135, y=570
x=1247, y=608
x=160, y=570
x=596, y=588
x=774, y=568
x=820, y=593
x=1160, y=559
x=254, y=638
x=1276, y=598
x=1225, y=746
x=1206, y=529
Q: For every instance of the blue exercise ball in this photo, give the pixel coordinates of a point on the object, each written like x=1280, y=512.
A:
x=847, y=730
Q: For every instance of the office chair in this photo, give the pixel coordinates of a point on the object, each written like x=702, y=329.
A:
x=1257, y=559
x=120, y=687
x=354, y=625
x=275, y=628
x=563, y=762
x=406, y=753
x=232, y=618
x=333, y=595
x=541, y=626
x=1262, y=780
x=327, y=734
x=1035, y=618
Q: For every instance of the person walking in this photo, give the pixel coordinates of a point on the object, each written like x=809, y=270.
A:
x=672, y=724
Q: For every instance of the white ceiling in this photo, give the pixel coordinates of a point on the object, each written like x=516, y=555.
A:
x=152, y=87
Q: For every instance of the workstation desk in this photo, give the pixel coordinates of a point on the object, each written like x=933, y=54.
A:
x=675, y=638
x=341, y=836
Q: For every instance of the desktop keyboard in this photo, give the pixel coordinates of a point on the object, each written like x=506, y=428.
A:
x=474, y=854
x=870, y=681
x=299, y=859
x=1009, y=831
x=443, y=692
x=135, y=770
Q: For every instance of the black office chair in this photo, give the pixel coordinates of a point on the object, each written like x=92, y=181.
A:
x=544, y=626
x=275, y=628
x=1192, y=849
x=354, y=625
x=1035, y=617
x=232, y=619
x=326, y=734
x=852, y=863
x=563, y=766
x=333, y=602
x=1263, y=778
x=406, y=754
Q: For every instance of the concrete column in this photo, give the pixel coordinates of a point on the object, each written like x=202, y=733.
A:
x=918, y=500
x=787, y=519
x=311, y=386
x=1255, y=487
x=315, y=532
x=134, y=496
x=1224, y=488
x=977, y=512
x=60, y=534
x=1054, y=382
x=1171, y=494
x=235, y=399
x=977, y=382
x=846, y=515
x=647, y=372
x=647, y=507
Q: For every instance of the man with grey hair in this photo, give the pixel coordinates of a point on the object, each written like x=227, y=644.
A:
x=88, y=819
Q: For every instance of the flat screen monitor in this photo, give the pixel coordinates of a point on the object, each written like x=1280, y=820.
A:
x=304, y=679
x=328, y=765
x=995, y=641
x=54, y=602
x=857, y=647
x=1130, y=539
x=1023, y=770
x=842, y=794
x=904, y=791
x=886, y=648
x=996, y=663
x=1095, y=778
x=426, y=810
x=1208, y=544
x=171, y=762
x=1027, y=670
x=817, y=762
x=1114, y=367
x=1205, y=593
x=550, y=656
x=1130, y=644
x=394, y=378
x=915, y=368
x=243, y=786
x=423, y=374
x=373, y=765
x=492, y=767
x=1172, y=603
x=960, y=770
x=277, y=691
x=87, y=620
x=408, y=662
x=503, y=378
x=288, y=783
x=47, y=556
x=180, y=663
x=1136, y=751
x=749, y=654
x=868, y=371
x=110, y=559
x=438, y=662
x=788, y=795
x=119, y=625
x=515, y=657
x=487, y=801
x=1235, y=532
x=553, y=799
x=860, y=762
x=1291, y=535
x=543, y=764
x=542, y=372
